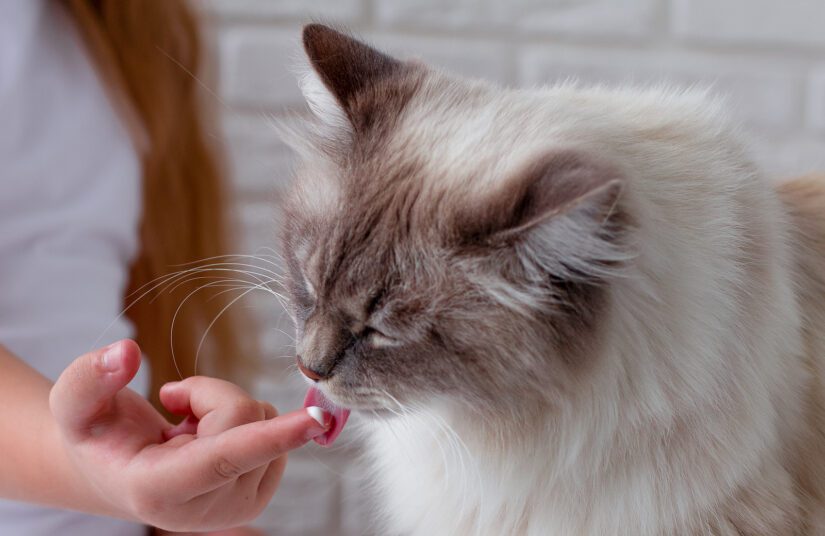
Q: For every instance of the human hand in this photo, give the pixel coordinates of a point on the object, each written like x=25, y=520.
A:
x=217, y=469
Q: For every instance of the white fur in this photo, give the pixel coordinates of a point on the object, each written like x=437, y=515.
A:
x=321, y=101
x=698, y=342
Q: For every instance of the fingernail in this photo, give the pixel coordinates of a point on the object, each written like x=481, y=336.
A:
x=321, y=417
x=110, y=360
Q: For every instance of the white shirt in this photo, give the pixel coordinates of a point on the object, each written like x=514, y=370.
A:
x=70, y=203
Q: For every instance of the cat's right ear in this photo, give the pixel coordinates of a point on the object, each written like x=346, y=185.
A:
x=340, y=69
x=562, y=211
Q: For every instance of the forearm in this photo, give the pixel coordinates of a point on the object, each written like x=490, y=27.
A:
x=34, y=466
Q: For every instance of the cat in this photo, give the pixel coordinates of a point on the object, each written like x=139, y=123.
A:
x=559, y=311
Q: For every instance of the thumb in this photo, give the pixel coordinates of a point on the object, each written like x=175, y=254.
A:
x=83, y=393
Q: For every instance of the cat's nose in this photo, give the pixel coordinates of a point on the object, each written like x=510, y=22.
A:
x=308, y=372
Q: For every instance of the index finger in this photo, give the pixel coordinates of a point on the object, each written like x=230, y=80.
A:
x=224, y=457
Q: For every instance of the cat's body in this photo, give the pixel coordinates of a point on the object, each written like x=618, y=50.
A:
x=575, y=311
x=804, y=202
x=736, y=470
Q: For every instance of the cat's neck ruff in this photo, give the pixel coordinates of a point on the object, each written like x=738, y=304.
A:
x=622, y=454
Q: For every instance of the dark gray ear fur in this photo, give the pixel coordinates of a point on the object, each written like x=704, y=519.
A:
x=346, y=66
x=559, y=184
x=563, y=218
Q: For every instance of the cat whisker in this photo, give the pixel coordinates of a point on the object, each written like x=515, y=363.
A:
x=259, y=283
x=241, y=268
x=200, y=278
x=218, y=283
x=291, y=337
x=217, y=316
x=174, y=319
x=193, y=267
x=227, y=257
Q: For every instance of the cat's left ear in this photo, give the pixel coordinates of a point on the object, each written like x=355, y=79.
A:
x=341, y=69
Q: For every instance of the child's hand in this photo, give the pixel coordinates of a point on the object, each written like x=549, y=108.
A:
x=217, y=469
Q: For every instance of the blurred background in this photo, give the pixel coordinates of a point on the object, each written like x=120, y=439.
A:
x=768, y=56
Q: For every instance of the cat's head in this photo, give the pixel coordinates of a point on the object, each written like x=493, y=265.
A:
x=440, y=243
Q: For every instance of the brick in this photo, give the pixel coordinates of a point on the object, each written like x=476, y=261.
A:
x=258, y=224
x=764, y=93
x=783, y=157
x=794, y=22
x=618, y=18
x=337, y=10
x=816, y=101
x=258, y=67
x=281, y=387
x=476, y=58
x=259, y=162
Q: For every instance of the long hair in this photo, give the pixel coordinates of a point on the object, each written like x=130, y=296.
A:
x=148, y=53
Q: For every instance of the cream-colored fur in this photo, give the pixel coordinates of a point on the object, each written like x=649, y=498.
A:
x=804, y=200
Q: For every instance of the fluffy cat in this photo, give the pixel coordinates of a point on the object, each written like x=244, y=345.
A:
x=561, y=311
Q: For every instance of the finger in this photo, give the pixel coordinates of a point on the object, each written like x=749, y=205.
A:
x=83, y=393
x=269, y=410
x=216, y=460
x=218, y=405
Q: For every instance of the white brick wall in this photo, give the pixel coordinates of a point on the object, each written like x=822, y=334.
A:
x=593, y=18
x=752, y=22
x=278, y=10
x=816, y=100
x=767, y=55
x=765, y=91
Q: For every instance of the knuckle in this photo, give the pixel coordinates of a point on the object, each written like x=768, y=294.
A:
x=225, y=468
x=249, y=410
x=270, y=411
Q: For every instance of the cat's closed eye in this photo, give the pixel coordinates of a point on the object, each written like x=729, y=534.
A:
x=378, y=339
x=304, y=301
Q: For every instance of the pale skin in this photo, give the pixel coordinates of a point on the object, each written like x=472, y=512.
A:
x=90, y=444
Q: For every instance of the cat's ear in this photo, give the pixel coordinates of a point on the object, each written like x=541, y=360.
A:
x=565, y=183
x=564, y=209
x=340, y=68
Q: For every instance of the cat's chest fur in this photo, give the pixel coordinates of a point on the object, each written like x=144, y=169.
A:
x=434, y=478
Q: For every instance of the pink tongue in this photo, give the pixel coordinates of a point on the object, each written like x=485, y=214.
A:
x=339, y=415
